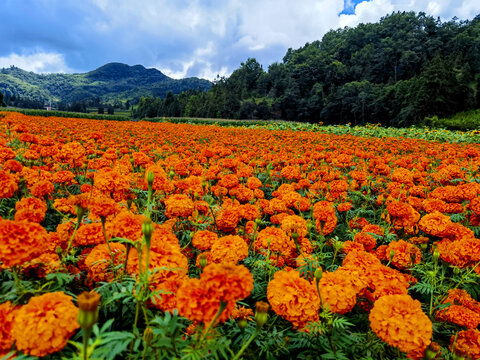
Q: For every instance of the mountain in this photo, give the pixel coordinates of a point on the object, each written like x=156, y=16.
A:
x=110, y=82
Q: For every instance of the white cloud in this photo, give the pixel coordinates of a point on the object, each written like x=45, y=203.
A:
x=39, y=62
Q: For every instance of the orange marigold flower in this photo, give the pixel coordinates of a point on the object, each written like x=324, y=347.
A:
x=127, y=225
x=242, y=313
x=337, y=292
x=229, y=249
x=229, y=282
x=275, y=240
x=178, y=205
x=367, y=240
x=89, y=234
x=253, y=183
x=103, y=206
x=8, y=185
x=204, y=239
x=21, y=241
x=228, y=219
x=466, y=343
x=326, y=219
x=49, y=320
x=294, y=224
x=166, y=298
x=42, y=188
x=293, y=298
x=405, y=254
x=435, y=224
x=229, y=181
x=31, y=209
x=99, y=261
x=7, y=315
x=400, y=322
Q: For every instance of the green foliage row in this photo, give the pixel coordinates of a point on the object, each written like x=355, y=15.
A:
x=462, y=121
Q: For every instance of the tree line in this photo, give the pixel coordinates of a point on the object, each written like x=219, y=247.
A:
x=398, y=71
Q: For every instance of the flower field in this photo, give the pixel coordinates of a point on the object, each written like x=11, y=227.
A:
x=138, y=240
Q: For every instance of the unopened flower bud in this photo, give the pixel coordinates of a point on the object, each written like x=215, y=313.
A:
x=431, y=351
x=147, y=230
x=88, y=308
x=148, y=336
x=436, y=256
x=150, y=178
x=242, y=323
x=59, y=250
x=392, y=254
x=318, y=273
x=261, y=313
x=202, y=260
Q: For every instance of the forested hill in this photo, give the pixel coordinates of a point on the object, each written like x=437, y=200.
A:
x=111, y=82
x=397, y=71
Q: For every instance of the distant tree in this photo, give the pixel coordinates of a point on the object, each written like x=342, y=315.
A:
x=101, y=110
x=110, y=110
x=2, y=102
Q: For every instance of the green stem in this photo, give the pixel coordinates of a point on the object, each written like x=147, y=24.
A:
x=223, y=305
x=86, y=338
x=247, y=343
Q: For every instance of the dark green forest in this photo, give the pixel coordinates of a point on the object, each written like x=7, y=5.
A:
x=396, y=72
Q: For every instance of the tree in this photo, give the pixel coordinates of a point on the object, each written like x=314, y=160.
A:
x=2, y=102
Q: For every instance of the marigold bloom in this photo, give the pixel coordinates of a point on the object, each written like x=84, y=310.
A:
x=31, y=209
x=367, y=240
x=178, y=205
x=7, y=315
x=229, y=249
x=228, y=219
x=405, y=254
x=400, y=322
x=293, y=298
x=294, y=224
x=275, y=240
x=127, y=225
x=435, y=224
x=337, y=292
x=21, y=241
x=326, y=219
x=103, y=206
x=42, y=188
x=466, y=343
x=8, y=185
x=99, y=261
x=44, y=325
x=204, y=239
x=89, y=234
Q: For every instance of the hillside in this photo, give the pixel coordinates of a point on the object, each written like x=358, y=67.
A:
x=113, y=81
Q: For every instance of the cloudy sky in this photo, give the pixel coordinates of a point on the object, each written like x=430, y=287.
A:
x=183, y=38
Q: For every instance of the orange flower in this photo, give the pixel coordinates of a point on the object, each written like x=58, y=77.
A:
x=326, y=219
x=8, y=185
x=21, y=241
x=199, y=299
x=178, y=205
x=337, y=292
x=400, y=322
x=7, y=315
x=99, y=261
x=204, y=239
x=367, y=240
x=275, y=240
x=31, y=209
x=293, y=298
x=44, y=325
x=103, y=206
x=405, y=254
x=89, y=234
x=435, y=224
x=228, y=219
x=126, y=225
x=294, y=224
x=229, y=249
x=42, y=188
x=466, y=343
